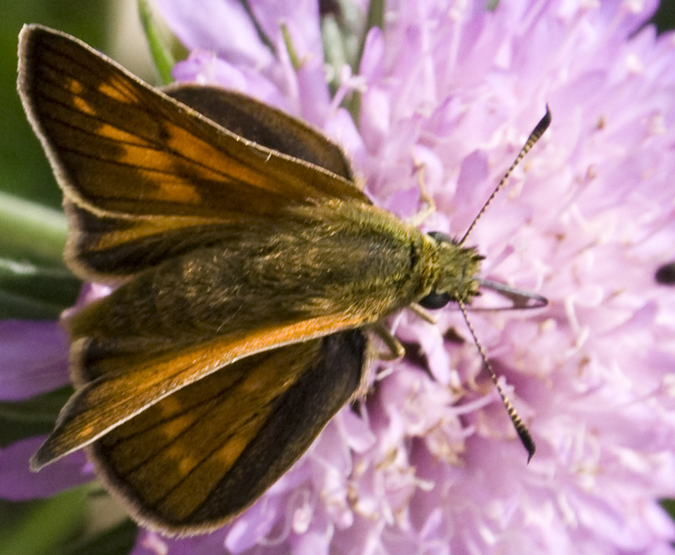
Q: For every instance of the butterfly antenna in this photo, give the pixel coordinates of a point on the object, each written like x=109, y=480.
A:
x=536, y=134
x=521, y=429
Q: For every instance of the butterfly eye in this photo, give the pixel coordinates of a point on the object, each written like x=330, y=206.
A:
x=441, y=237
x=435, y=300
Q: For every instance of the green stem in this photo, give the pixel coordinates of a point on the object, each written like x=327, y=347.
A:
x=159, y=49
x=26, y=226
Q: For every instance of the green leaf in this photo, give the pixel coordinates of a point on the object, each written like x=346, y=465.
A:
x=32, y=417
x=46, y=524
x=669, y=506
x=35, y=291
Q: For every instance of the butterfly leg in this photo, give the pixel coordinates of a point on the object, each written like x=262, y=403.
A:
x=395, y=349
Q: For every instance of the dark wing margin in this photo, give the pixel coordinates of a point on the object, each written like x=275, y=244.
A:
x=201, y=456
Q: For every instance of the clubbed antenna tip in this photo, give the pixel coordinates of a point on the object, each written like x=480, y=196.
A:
x=536, y=134
x=521, y=429
x=527, y=441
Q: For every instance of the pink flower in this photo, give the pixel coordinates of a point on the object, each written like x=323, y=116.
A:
x=448, y=93
x=33, y=361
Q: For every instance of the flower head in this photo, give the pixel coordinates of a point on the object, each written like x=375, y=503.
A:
x=448, y=91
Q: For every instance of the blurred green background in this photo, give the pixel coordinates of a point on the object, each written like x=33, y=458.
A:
x=64, y=525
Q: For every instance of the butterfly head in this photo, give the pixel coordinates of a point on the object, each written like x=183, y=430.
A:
x=455, y=279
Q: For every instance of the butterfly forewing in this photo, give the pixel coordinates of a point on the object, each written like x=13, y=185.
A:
x=202, y=455
x=166, y=167
x=118, y=379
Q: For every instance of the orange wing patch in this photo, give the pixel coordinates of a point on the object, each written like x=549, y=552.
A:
x=194, y=436
x=97, y=120
x=130, y=383
x=197, y=458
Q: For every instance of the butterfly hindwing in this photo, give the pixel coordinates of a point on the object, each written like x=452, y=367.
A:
x=263, y=125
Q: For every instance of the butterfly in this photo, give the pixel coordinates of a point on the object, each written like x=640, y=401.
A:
x=248, y=270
